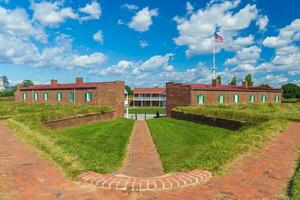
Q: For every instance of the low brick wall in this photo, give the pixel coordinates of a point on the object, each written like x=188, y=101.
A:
x=85, y=119
x=223, y=123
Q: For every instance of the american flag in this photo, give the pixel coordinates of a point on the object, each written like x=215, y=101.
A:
x=218, y=38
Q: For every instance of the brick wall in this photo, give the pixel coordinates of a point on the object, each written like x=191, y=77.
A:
x=211, y=97
x=177, y=95
x=184, y=95
x=104, y=94
x=54, y=125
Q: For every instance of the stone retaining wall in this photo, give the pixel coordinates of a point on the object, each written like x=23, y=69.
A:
x=223, y=123
x=62, y=123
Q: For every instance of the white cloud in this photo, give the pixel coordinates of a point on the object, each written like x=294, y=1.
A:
x=197, y=30
x=16, y=23
x=245, y=59
x=262, y=22
x=51, y=14
x=155, y=62
x=130, y=7
x=93, y=11
x=118, y=69
x=120, y=22
x=142, y=21
x=98, y=37
x=189, y=8
x=143, y=43
x=274, y=80
x=287, y=52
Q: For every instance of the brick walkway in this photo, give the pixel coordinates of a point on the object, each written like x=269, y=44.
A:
x=263, y=175
x=142, y=159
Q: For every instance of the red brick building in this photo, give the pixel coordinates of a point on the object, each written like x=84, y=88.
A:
x=97, y=93
x=149, y=97
x=178, y=94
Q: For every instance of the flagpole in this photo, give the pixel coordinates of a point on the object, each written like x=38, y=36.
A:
x=214, y=59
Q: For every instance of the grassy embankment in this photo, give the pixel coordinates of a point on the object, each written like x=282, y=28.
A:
x=185, y=145
x=146, y=110
x=96, y=147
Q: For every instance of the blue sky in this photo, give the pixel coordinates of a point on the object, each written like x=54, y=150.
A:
x=147, y=43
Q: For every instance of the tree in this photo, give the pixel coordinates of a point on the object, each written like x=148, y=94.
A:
x=264, y=85
x=27, y=83
x=219, y=79
x=233, y=80
x=248, y=79
x=129, y=90
x=291, y=91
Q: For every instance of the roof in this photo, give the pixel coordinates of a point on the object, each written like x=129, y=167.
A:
x=232, y=88
x=60, y=86
x=149, y=91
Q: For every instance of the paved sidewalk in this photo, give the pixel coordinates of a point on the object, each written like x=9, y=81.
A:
x=142, y=159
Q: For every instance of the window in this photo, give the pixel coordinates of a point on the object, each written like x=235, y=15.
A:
x=46, y=96
x=35, y=96
x=200, y=99
x=24, y=96
x=263, y=98
x=71, y=96
x=88, y=96
x=59, y=96
x=221, y=98
x=236, y=98
x=252, y=98
x=276, y=99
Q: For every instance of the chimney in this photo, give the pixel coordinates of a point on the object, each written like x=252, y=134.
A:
x=79, y=80
x=245, y=84
x=53, y=82
x=215, y=82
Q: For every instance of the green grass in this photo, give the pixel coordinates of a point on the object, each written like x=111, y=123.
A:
x=11, y=109
x=146, y=110
x=252, y=113
x=186, y=145
x=98, y=147
x=294, y=185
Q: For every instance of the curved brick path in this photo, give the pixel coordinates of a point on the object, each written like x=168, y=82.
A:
x=263, y=175
x=165, y=182
x=142, y=159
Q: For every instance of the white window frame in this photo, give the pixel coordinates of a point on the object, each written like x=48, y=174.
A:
x=35, y=96
x=202, y=99
x=24, y=96
x=236, y=98
x=46, y=96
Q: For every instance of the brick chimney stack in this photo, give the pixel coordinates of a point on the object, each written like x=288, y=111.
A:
x=79, y=80
x=245, y=84
x=53, y=82
x=215, y=82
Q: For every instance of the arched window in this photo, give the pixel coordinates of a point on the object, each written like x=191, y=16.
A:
x=252, y=98
x=35, y=96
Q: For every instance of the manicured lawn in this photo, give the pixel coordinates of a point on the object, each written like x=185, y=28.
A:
x=186, y=145
x=48, y=112
x=249, y=112
x=146, y=110
x=98, y=147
